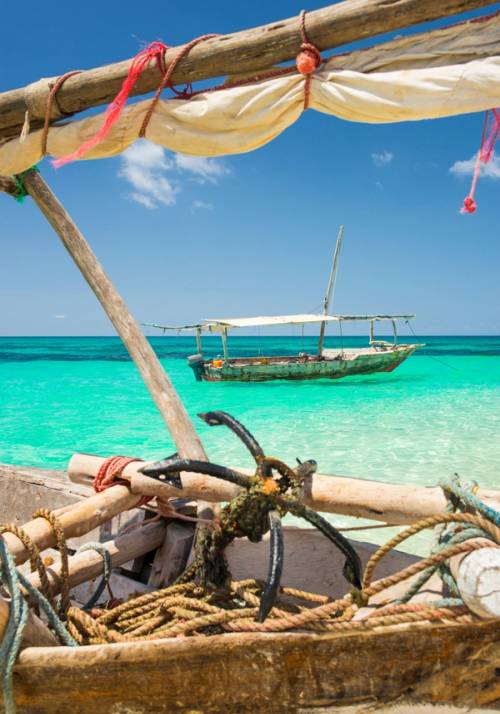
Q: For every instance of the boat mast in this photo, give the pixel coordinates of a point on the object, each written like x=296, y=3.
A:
x=330, y=288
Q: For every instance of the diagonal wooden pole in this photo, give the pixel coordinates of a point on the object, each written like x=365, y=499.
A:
x=157, y=381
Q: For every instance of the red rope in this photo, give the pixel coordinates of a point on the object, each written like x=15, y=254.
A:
x=308, y=59
x=154, y=51
x=488, y=141
x=186, y=93
x=109, y=475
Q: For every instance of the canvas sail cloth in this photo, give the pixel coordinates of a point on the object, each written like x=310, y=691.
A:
x=439, y=74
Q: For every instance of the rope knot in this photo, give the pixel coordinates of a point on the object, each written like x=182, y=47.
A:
x=308, y=59
x=469, y=205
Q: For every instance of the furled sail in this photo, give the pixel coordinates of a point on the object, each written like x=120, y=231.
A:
x=437, y=74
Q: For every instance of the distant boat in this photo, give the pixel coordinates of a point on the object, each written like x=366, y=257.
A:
x=379, y=356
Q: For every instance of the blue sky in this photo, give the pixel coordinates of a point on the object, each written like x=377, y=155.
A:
x=187, y=239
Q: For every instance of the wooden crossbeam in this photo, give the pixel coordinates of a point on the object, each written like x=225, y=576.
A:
x=246, y=52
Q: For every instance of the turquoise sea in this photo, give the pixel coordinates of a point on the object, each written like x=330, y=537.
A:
x=437, y=414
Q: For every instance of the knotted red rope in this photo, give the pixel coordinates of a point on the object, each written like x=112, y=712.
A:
x=308, y=59
x=153, y=52
x=488, y=141
x=109, y=475
x=166, y=80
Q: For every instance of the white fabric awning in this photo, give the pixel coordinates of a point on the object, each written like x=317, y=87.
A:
x=269, y=320
x=418, y=77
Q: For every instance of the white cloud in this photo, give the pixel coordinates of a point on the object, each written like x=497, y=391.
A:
x=466, y=168
x=154, y=174
x=60, y=317
x=204, y=169
x=203, y=204
x=382, y=159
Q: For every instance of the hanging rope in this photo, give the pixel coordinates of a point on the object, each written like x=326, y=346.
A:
x=486, y=150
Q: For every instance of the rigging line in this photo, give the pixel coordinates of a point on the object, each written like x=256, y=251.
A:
x=341, y=338
x=436, y=359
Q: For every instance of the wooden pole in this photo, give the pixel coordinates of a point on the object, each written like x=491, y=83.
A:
x=82, y=518
x=247, y=51
x=330, y=288
x=166, y=398
x=89, y=564
x=396, y=504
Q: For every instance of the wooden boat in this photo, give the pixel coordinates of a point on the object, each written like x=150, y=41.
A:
x=290, y=671
x=275, y=672
x=379, y=356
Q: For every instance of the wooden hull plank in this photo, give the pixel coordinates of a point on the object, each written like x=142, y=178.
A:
x=265, y=673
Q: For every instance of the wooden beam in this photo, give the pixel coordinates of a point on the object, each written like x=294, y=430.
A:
x=396, y=504
x=157, y=381
x=82, y=518
x=247, y=51
x=89, y=564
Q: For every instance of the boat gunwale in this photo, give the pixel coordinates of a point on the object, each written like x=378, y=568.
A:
x=47, y=657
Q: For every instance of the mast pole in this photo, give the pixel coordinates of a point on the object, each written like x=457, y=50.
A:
x=330, y=288
x=156, y=379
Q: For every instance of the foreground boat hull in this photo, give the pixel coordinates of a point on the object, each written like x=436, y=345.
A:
x=264, y=369
x=266, y=673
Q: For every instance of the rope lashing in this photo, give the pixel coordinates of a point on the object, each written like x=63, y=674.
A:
x=109, y=475
x=155, y=52
x=50, y=102
x=465, y=493
x=484, y=155
x=107, y=565
x=58, y=531
x=18, y=179
x=34, y=557
x=308, y=59
x=165, y=82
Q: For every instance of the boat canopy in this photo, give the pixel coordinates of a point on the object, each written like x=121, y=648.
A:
x=224, y=324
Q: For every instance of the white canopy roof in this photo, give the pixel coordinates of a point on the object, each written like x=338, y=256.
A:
x=301, y=319
x=226, y=323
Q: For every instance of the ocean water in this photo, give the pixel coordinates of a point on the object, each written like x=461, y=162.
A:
x=437, y=414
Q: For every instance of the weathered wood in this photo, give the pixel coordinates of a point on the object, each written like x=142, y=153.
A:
x=89, y=564
x=271, y=673
x=396, y=504
x=248, y=51
x=170, y=560
x=82, y=518
x=24, y=489
x=311, y=561
x=478, y=579
x=35, y=634
x=166, y=398
x=121, y=586
x=8, y=185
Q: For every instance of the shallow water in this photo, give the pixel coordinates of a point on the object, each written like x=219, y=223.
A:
x=437, y=414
